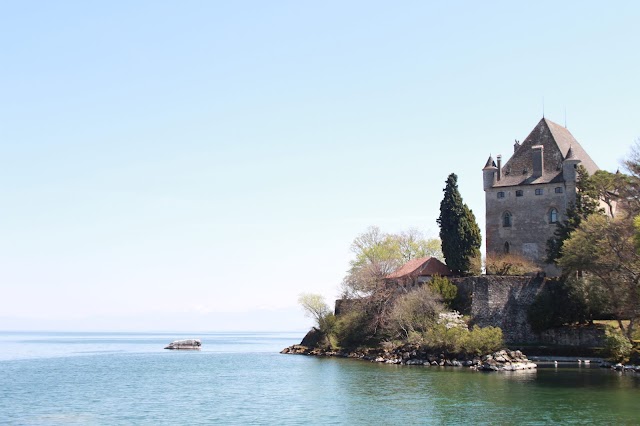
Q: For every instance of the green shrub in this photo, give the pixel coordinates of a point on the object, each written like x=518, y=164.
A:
x=445, y=288
x=351, y=329
x=616, y=345
x=482, y=341
x=442, y=339
x=459, y=340
x=327, y=324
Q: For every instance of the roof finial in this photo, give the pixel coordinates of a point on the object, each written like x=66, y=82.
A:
x=542, y=106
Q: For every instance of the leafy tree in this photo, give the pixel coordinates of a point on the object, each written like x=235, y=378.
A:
x=552, y=308
x=568, y=300
x=412, y=244
x=605, y=249
x=630, y=197
x=586, y=204
x=316, y=308
x=610, y=188
x=378, y=254
x=459, y=232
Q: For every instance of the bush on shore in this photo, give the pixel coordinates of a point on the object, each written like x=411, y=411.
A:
x=617, y=347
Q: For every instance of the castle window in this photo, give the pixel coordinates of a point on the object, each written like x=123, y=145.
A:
x=500, y=194
x=506, y=247
x=519, y=193
x=506, y=219
x=539, y=191
x=553, y=216
x=558, y=190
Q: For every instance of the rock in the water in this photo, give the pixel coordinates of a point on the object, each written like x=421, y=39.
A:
x=312, y=338
x=185, y=344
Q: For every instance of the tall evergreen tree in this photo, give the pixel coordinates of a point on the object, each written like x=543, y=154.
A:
x=459, y=232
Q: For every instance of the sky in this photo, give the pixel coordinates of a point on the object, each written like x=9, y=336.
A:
x=197, y=165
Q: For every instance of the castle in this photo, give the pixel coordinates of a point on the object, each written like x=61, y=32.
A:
x=530, y=193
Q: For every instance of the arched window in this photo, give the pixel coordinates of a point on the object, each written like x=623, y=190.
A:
x=553, y=216
x=506, y=219
x=506, y=247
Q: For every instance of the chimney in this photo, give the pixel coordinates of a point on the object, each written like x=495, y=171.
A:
x=499, y=157
x=538, y=164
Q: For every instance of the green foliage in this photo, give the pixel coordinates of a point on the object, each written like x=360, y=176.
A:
x=445, y=288
x=617, y=345
x=591, y=298
x=352, y=329
x=553, y=308
x=316, y=308
x=412, y=244
x=455, y=340
x=585, y=205
x=630, y=194
x=459, y=232
x=327, y=324
x=568, y=301
x=610, y=188
x=443, y=339
x=378, y=254
x=605, y=248
x=483, y=340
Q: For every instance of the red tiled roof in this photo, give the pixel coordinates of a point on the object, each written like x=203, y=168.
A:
x=421, y=266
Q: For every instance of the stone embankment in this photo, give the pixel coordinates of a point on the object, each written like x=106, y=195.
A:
x=504, y=360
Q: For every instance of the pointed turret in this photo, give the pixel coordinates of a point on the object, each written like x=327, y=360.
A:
x=490, y=163
x=569, y=166
x=570, y=155
x=489, y=173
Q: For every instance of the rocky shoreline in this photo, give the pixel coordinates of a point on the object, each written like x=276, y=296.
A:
x=503, y=360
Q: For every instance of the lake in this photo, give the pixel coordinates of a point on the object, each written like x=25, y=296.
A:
x=240, y=378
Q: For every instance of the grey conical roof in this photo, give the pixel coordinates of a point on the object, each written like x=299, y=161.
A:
x=570, y=155
x=490, y=163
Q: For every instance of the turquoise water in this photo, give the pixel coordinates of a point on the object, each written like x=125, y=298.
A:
x=240, y=378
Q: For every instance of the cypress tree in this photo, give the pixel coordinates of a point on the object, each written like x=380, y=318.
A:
x=459, y=232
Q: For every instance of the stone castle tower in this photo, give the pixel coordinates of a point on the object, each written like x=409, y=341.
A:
x=527, y=195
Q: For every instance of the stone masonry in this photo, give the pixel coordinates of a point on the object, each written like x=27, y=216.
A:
x=503, y=301
x=527, y=196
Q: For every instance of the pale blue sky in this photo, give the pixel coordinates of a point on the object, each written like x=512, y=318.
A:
x=197, y=165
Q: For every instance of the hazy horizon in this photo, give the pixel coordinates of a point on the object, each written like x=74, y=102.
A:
x=200, y=162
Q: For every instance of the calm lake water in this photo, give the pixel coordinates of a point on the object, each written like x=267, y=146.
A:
x=240, y=378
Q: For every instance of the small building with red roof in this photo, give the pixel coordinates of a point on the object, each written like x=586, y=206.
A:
x=418, y=271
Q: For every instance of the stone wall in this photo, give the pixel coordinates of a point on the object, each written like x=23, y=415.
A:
x=586, y=336
x=503, y=302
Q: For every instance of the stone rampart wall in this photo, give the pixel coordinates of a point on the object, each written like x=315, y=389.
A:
x=503, y=302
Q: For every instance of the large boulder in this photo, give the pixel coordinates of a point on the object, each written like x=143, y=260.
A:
x=313, y=337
